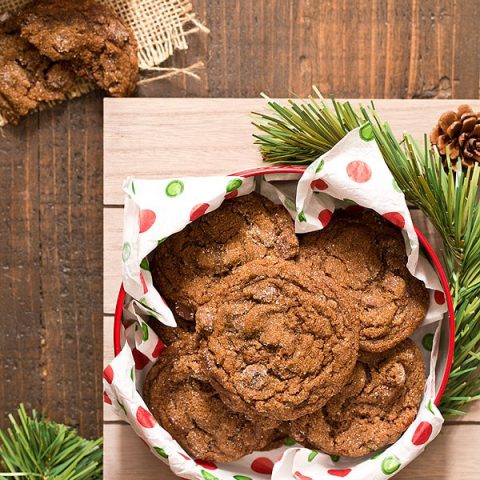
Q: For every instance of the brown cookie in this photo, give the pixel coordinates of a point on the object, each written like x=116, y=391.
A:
x=373, y=410
x=27, y=79
x=188, y=264
x=87, y=35
x=365, y=254
x=169, y=335
x=276, y=345
x=191, y=411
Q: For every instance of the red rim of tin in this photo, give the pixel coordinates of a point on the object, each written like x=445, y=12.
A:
x=423, y=241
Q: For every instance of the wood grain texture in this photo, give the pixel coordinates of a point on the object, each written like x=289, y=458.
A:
x=445, y=459
x=51, y=257
x=171, y=137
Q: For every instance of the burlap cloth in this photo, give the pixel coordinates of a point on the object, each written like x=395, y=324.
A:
x=160, y=27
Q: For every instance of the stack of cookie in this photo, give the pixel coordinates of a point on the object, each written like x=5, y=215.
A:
x=280, y=335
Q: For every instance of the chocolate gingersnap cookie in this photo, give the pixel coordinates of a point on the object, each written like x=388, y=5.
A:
x=373, y=410
x=365, y=254
x=275, y=345
x=189, y=263
x=87, y=35
x=191, y=411
x=169, y=335
x=27, y=79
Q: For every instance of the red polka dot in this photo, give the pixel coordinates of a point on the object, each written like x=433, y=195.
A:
x=146, y=219
x=439, y=297
x=159, y=347
x=184, y=456
x=108, y=374
x=206, y=465
x=422, y=433
x=359, y=171
x=318, y=184
x=339, y=473
x=325, y=216
x=198, y=211
x=141, y=360
x=302, y=477
x=231, y=195
x=106, y=398
x=144, y=283
x=395, y=218
x=262, y=465
x=145, y=418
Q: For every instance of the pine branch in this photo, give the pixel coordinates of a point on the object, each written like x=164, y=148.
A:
x=448, y=199
x=35, y=448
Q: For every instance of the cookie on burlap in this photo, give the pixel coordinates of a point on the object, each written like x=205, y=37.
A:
x=377, y=405
x=276, y=345
x=191, y=262
x=183, y=402
x=89, y=36
x=27, y=79
x=365, y=254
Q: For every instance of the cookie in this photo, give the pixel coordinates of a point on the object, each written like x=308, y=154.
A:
x=27, y=79
x=89, y=36
x=191, y=411
x=190, y=263
x=377, y=405
x=365, y=254
x=276, y=345
x=168, y=334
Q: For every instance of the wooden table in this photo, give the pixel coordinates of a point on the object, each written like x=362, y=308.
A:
x=178, y=137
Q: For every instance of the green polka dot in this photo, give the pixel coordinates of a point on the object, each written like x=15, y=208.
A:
x=334, y=458
x=390, y=465
x=427, y=341
x=290, y=204
x=366, y=132
x=133, y=188
x=132, y=375
x=320, y=166
x=312, y=455
x=208, y=476
x=242, y=477
x=161, y=240
x=289, y=441
x=302, y=217
x=430, y=407
x=145, y=332
x=395, y=186
x=349, y=202
x=161, y=452
x=126, y=251
x=174, y=188
x=234, y=185
x=145, y=265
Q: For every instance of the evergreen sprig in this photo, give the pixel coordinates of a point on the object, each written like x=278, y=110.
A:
x=35, y=448
x=300, y=133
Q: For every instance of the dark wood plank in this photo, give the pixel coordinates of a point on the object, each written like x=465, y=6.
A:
x=20, y=324
x=71, y=169
x=365, y=49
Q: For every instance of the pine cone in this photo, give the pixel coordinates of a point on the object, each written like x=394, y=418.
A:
x=460, y=133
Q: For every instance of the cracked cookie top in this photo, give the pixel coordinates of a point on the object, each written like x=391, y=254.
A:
x=89, y=36
x=274, y=344
x=365, y=255
x=188, y=264
x=376, y=406
x=186, y=405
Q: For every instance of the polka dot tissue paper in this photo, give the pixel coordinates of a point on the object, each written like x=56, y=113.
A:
x=353, y=173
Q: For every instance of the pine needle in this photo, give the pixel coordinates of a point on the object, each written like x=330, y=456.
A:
x=300, y=133
x=34, y=448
